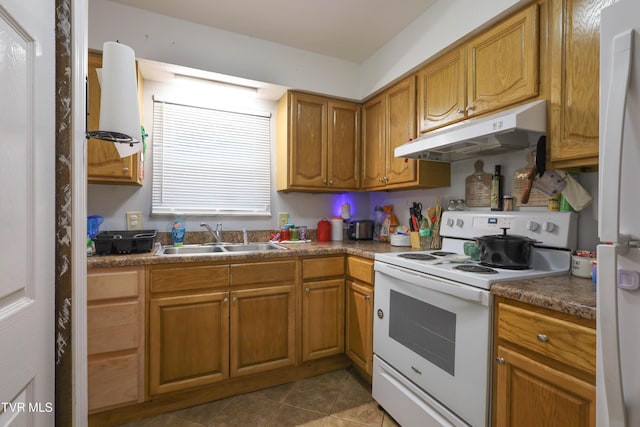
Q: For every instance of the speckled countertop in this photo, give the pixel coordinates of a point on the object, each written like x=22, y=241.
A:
x=565, y=293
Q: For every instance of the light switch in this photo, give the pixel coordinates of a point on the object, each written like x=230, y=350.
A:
x=134, y=221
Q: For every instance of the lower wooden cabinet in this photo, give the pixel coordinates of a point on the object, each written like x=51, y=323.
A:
x=359, y=313
x=188, y=341
x=263, y=326
x=544, y=372
x=115, y=337
x=226, y=321
x=322, y=307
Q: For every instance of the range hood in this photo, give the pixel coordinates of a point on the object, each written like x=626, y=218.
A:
x=508, y=130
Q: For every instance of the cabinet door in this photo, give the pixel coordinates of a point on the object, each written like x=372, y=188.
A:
x=263, y=324
x=359, y=325
x=322, y=319
x=344, y=145
x=308, y=139
x=575, y=81
x=104, y=165
x=188, y=341
x=373, y=143
x=532, y=394
x=441, y=91
x=503, y=63
x=401, y=127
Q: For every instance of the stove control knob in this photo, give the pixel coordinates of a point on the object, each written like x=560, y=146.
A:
x=449, y=222
x=459, y=222
x=549, y=227
x=532, y=226
x=380, y=313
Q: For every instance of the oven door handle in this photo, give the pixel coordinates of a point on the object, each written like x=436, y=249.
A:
x=436, y=284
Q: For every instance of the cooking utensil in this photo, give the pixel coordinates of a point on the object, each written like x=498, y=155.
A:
x=505, y=250
x=538, y=168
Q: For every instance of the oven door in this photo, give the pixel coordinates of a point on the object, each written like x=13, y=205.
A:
x=435, y=332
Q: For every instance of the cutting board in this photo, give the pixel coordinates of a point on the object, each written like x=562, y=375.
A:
x=519, y=180
x=477, y=186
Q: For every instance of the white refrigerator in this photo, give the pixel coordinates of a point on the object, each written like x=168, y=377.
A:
x=618, y=276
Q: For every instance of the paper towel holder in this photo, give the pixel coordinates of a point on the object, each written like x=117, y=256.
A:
x=108, y=135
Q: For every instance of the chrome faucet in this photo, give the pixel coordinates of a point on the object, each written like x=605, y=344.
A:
x=245, y=237
x=217, y=233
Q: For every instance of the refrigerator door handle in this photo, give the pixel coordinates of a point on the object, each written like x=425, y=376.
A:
x=612, y=138
x=608, y=340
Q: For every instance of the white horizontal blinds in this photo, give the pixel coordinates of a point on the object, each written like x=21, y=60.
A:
x=210, y=161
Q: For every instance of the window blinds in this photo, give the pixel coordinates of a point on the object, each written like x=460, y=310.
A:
x=210, y=161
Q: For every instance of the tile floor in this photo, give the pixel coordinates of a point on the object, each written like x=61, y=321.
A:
x=337, y=399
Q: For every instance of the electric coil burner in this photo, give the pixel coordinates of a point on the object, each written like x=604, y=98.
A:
x=418, y=256
x=475, y=268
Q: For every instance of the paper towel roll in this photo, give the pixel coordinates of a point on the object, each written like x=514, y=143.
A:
x=119, y=95
x=336, y=229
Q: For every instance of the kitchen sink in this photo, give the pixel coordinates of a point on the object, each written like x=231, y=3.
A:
x=216, y=248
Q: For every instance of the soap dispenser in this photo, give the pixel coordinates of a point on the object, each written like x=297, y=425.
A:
x=178, y=231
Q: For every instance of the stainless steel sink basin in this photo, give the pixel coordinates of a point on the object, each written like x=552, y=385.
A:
x=216, y=248
x=253, y=247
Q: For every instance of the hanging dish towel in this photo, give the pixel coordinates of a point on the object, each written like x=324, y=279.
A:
x=576, y=195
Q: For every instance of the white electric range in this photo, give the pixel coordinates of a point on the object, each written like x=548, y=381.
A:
x=432, y=315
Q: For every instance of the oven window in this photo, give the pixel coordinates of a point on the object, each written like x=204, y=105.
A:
x=425, y=329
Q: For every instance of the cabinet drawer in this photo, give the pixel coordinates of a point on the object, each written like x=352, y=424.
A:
x=564, y=341
x=263, y=272
x=188, y=278
x=113, y=327
x=360, y=269
x=114, y=381
x=322, y=267
x=113, y=283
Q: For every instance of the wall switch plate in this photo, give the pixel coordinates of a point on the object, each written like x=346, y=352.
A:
x=134, y=221
x=283, y=218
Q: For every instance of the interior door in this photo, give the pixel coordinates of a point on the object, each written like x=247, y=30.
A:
x=27, y=159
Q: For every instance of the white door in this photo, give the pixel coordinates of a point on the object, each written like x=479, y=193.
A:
x=27, y=176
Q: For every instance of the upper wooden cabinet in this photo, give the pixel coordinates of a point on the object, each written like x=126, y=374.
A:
x=105, y=166
x=318, y=140
x=574, y=55
x=389, y=120
x=493, y=70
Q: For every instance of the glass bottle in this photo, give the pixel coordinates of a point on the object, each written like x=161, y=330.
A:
x=496, y=190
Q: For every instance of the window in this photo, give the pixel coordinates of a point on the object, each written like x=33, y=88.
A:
x=210, y=161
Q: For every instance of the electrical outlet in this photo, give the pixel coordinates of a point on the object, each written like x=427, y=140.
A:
x=283, y=218
x=134, y=221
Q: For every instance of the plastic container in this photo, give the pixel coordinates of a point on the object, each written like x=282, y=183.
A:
x=178, y=231
x=93, y=225
x=324, y=230
x=336, y=229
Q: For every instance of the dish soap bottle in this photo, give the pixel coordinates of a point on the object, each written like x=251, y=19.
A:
x=496, y=190
x=178, y=231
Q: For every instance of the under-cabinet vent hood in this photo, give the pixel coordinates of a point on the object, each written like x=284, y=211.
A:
x=508, y=130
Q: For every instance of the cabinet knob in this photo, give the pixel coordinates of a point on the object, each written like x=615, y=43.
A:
x=324, y=181
x=330, y=182
x=307, y=290
x=367, y=297
x=125, y=170
x=470, y=108
x=460, y=111
x=500, y=360
x=225, y=300
x=234, y=299
x=542, y=338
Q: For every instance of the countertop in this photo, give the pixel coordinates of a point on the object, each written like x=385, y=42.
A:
x=564, y=293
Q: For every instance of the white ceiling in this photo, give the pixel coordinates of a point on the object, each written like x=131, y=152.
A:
x=347, y=29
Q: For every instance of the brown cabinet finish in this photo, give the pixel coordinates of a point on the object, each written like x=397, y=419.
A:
x=104, y=164
x=188, y=341
x=323, y=302
x=503, y=63
x=263, y=325
x=192, y=278
x=318, y=140
x=359, y=325
x=574, y=60
x=115, y=337
x=442, y=91
x=389, y=120
x=544, y=372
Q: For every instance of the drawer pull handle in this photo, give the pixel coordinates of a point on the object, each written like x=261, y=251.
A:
x=500, y=360
x=543, y=338
x=417, y=371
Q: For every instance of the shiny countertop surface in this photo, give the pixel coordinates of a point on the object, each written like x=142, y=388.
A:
x=564, y=293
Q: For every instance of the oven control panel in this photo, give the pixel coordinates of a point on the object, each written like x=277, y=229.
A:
x=555, y=229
